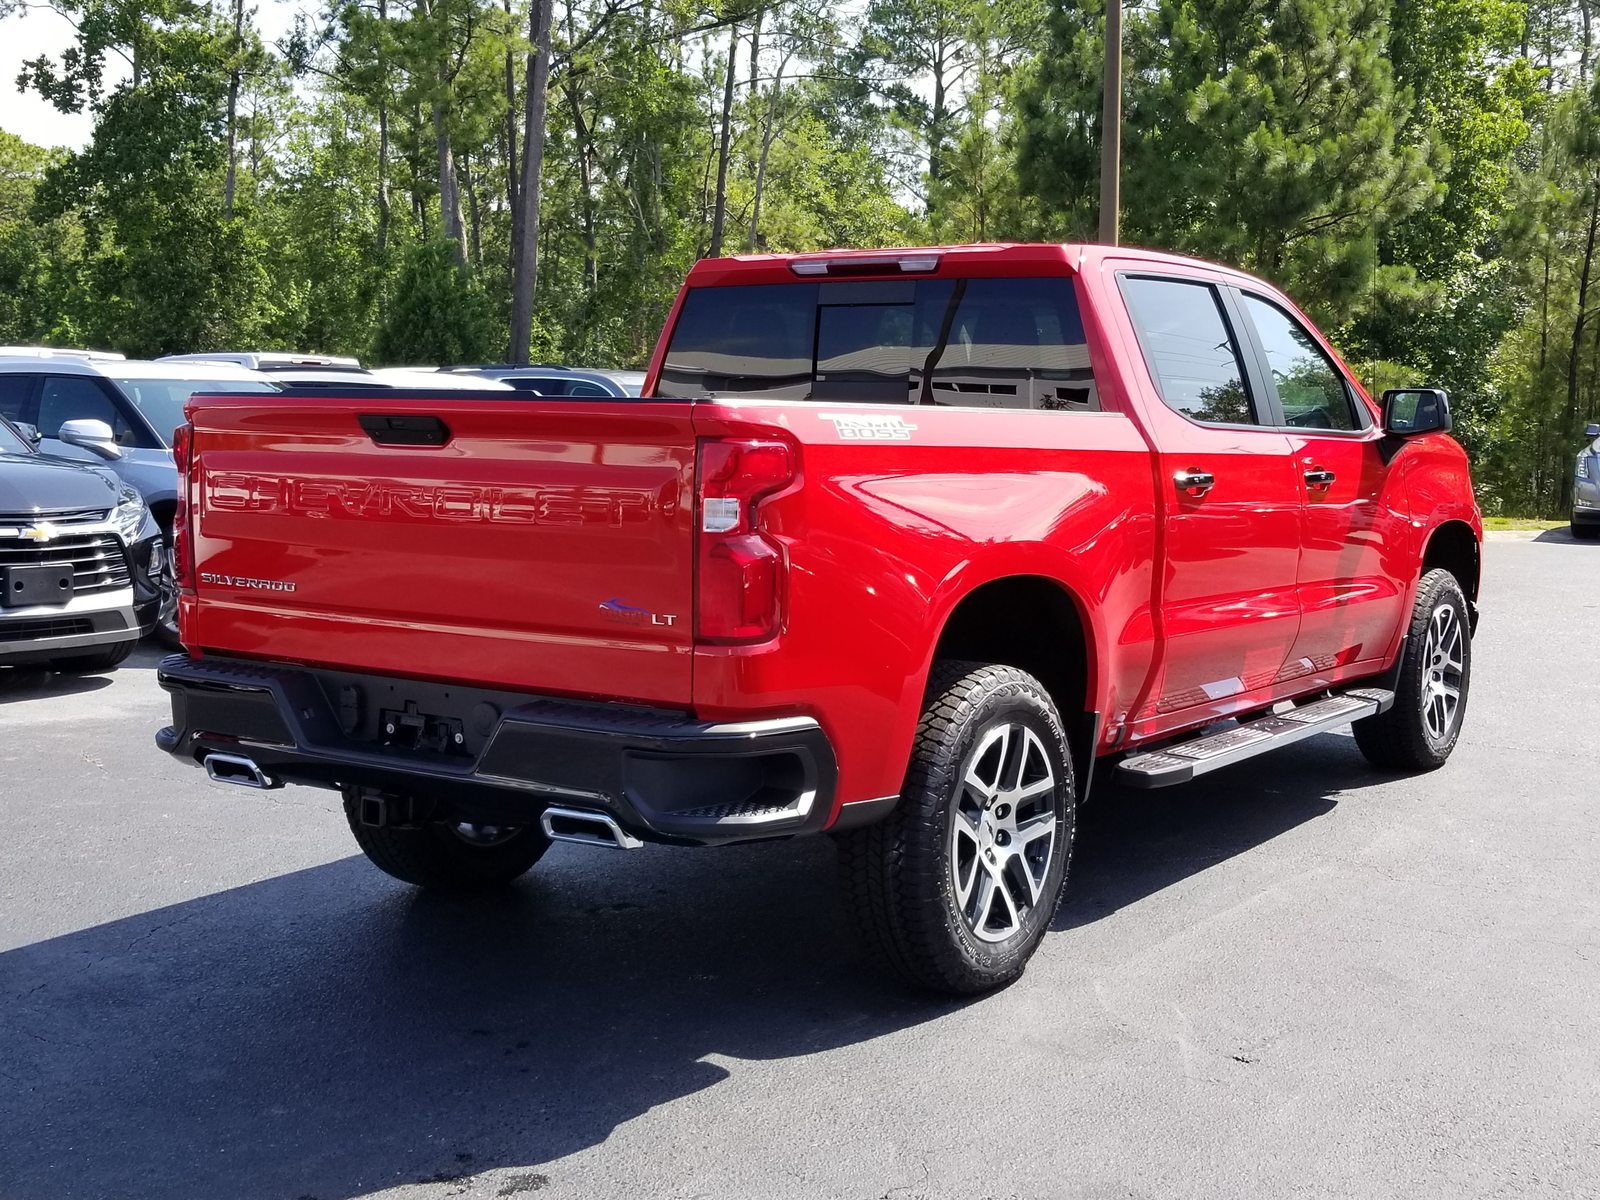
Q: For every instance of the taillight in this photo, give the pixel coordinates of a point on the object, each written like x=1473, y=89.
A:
x=740, y=582
x=182, y=548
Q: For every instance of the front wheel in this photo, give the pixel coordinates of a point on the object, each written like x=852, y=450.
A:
x=956, y=888
x=447, y=856
x=1585, y=532
x=1421, y=730
x=166, y=627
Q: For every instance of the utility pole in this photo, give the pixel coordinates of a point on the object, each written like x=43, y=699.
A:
x=1111, y=128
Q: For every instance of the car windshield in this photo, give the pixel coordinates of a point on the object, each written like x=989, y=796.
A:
x=161, y=401
x=11, y=442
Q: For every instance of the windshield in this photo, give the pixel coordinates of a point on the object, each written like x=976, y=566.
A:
x=10, y=441
x=973, y=343
x=161, y=401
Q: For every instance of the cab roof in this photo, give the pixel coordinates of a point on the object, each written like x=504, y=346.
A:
x=1021, y=259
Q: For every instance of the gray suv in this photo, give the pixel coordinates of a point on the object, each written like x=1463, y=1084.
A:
x=1586, y=488
x=117, y=414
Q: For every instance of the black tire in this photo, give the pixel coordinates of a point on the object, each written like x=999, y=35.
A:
x=165, y=631
x=1400, y=739
x=1585, y=532
x=435, y=856
x=900, y=876
x=92, y=663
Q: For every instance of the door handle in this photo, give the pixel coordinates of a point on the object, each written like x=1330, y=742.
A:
x=1194, y=482
x=1319, y=480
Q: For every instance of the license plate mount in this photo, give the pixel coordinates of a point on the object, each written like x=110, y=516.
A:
x=21, y=587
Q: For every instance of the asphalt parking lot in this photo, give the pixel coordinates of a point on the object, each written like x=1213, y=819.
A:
x=1298, y=977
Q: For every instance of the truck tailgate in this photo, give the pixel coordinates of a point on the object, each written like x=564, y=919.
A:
x=544, y=545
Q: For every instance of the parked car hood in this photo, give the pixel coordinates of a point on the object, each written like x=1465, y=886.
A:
x=31, y=483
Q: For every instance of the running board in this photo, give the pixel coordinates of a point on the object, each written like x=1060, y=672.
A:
x=1182, y=761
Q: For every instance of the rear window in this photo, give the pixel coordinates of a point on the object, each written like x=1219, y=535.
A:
x=971, y=343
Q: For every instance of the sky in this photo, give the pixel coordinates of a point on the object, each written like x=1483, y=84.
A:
x=40, y=31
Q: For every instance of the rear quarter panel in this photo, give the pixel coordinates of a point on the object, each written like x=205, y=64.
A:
x=884, y=538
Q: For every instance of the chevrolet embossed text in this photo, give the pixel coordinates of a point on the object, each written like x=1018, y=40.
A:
x=246, y=492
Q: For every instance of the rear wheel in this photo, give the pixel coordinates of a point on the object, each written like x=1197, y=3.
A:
x=956, y=888
x=1421, y=730
x=108, y=659
x=447, y=856
x=1585, y=532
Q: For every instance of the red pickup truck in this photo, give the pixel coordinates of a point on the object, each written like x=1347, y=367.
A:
x=897, y=545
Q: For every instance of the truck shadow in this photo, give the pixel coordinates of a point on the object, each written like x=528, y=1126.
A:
x=1134, y=843
x=327, y=1033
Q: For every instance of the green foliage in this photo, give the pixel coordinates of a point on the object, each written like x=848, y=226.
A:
x=1423, y=175
x=439, y=314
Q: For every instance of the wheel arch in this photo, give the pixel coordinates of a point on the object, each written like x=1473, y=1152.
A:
x=1004, y=620
x=1454, y=547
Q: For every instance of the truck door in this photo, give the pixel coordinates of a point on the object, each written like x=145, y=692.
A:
x=1229, y=483
x=1354, y=536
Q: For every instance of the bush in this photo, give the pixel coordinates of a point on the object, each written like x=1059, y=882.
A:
x=437, y=314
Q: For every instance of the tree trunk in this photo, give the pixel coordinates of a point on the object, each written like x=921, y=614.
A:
x=719, y=209
x=233, y=110
x=511, y=144
x=768, y=136
x=1587, y=47
x=755, y=50
x=449, y=187
x=383, y=135
x=474, y=225
x=526, y=277
x=585, y=138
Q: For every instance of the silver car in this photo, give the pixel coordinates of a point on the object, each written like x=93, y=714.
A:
x=1586, y=488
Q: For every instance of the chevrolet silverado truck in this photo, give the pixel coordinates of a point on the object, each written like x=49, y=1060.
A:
x=902, y=546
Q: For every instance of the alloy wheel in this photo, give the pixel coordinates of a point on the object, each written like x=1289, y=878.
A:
x=1442, y=666
x=1003, y=835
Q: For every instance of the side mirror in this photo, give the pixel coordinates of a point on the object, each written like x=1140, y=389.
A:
x=1592, y=430
x=91, y=435
x=30, y=432
x=1408, y=412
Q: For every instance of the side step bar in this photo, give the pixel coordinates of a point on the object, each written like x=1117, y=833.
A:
x=1182, y=761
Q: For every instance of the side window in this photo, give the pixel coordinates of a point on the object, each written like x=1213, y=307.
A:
x=1311, y=391
x=1016, y=343
x=14, y=392
x=1191, y=352
x=78, y=398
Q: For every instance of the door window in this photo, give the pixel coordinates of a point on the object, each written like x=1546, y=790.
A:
x=79, y=398
x=1311, y=391
x=1189, y=348
x=14, y=392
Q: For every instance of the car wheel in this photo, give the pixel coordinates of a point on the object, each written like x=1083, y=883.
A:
x=166, y=627
x=108, y=659
x=957, y=887
x=1420, y=730
x=1585, y=532
x=447, y=856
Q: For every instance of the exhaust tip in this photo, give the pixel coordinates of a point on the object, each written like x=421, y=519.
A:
x=239, y=771
x=587, y=827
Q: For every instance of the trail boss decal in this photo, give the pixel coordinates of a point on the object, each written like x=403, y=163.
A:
x=870, y=427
